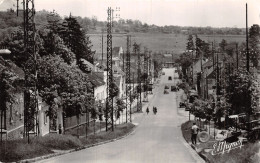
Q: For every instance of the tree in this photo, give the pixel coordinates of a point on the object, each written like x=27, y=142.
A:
x=6, y=92
x=190, y=44
x=185, y=61
x=71, y=85
x=16, y=46
x=254, y=41
x=241, y=93
x=223, y=45
x=75, y=38
x=52, y=44
x=120, y=106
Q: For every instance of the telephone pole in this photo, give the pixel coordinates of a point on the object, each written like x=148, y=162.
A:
x=139, y=87
x=146, y=75
x=30, y=93
x=218, y=90
x=109, y=102
x=102, y=46
x=128, y=80
x=237, y=54
x=247, y=49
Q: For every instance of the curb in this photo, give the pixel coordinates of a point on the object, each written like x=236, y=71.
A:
x=204, y=157
x=81, y=148
x=77, y=149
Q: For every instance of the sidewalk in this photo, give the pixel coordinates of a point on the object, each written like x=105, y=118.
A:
x=134, y=115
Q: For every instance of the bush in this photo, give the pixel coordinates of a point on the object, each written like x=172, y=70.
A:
x=184, y=86
x=55, y=141
x=19, y=149
x=16, y=150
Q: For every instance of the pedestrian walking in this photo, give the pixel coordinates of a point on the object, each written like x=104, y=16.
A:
x=194, y=133
x=154, y=110
x=147, y=110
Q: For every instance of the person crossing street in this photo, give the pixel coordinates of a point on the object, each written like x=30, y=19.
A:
x=147, y=110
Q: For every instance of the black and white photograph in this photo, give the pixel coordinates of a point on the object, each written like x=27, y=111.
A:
x=130, y=81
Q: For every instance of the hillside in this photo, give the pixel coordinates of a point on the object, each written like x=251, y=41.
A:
x=159, y=42
x=167, y=39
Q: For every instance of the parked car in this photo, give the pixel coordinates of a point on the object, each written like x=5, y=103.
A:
x=182, y=105
x=165, y=92
x=166, y=87
x=169, y=78
x=174, y=88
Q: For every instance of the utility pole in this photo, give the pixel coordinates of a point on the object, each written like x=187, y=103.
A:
x=30, y=69
x=218, y=91
x=247, y=49
x=237, y=54
x=128, y=80
x=139, y=90
x=123, y=61
x=149, y=67
x=102, y=45
x=192, y=59
x=109, y=102
x=146, y=75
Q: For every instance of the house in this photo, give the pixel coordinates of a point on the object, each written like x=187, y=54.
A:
x=12, y=119
x=208, y=80
x=90, y=67
x=117, y=53
x=44, y=122
x=195, y=72
x=98, y=80
x=119, y=77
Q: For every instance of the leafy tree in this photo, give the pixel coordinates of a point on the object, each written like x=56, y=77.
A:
x=223, y=44
x=120, y=106
x=231, y=48
x=241, y=93
x=75, y=38
x=190, y=43
x=6, y=89
x=52, y=44
x=254, y=40
x=16, y=46
x=254, y=36
x=58, y=79
x=185, y=61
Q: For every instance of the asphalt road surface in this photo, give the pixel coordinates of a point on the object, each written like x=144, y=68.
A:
x=157, y=138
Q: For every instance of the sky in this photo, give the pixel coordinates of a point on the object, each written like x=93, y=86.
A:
x=201, y=13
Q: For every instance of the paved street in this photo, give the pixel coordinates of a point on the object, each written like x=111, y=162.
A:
x=157, y=139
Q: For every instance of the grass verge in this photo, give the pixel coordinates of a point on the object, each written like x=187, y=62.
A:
x=248, y=153
x=16, y=150
x=81, y=130
x=102, y=136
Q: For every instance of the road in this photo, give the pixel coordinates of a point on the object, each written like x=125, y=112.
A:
x=157, y=138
